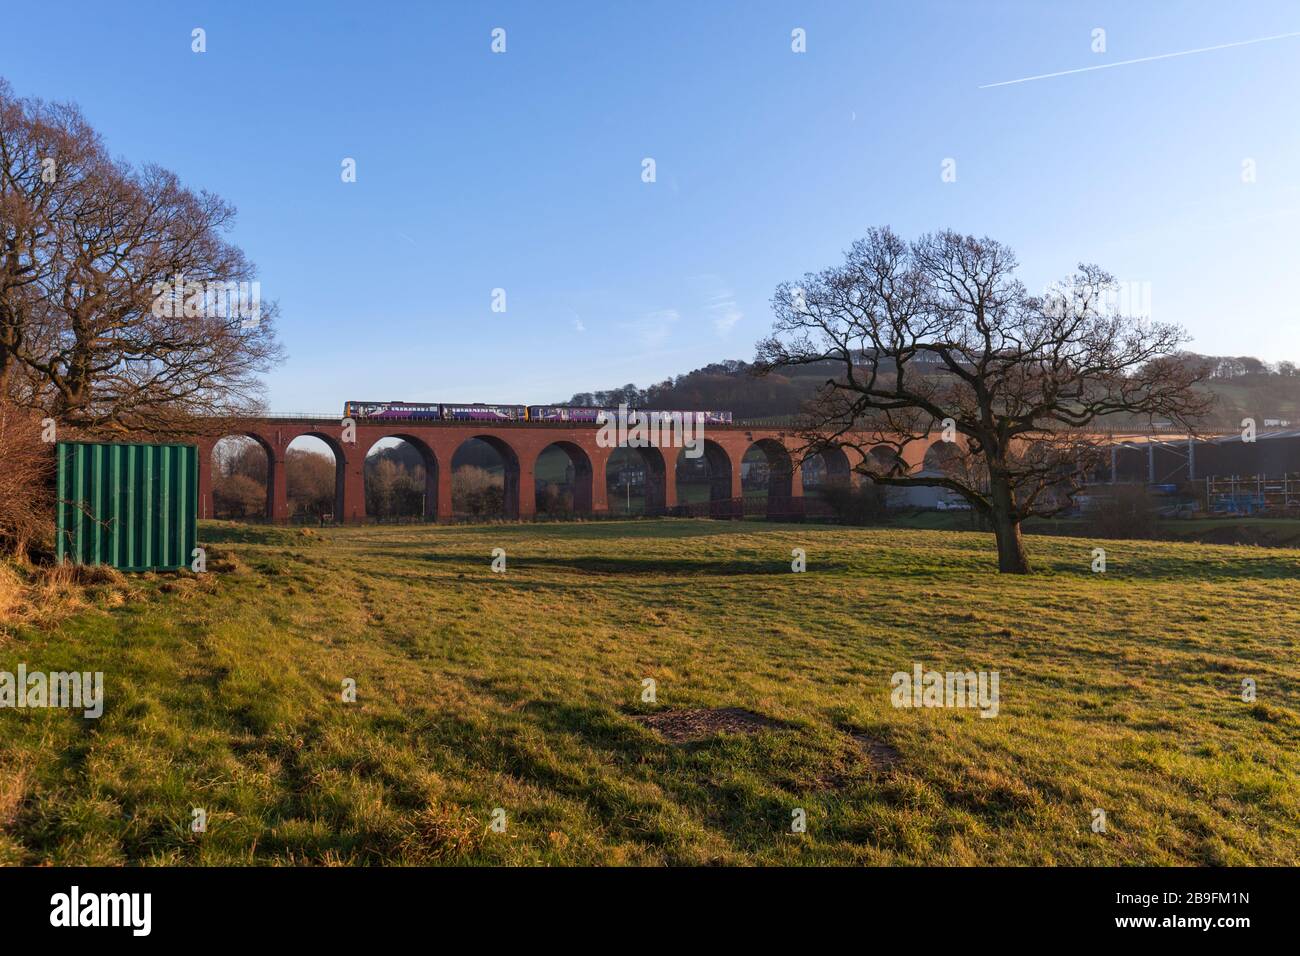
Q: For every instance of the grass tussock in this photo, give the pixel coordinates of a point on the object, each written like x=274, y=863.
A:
x=42, y=595
x=517, y=698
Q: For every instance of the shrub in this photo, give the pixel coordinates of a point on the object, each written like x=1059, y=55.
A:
x=553, y=500
x=477, y=491
x=1128, y=511
x=238, y=496
x=393, y=489
x=26, y=484
x=865, y=504
x=309, y=479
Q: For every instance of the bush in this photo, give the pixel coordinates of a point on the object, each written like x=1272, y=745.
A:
x=553, y=500
x=26, y=484
x=476, y=491
x=1128, y=511
x=865, y=504
x=238, y=496
x=310, y=479
x=393, y=490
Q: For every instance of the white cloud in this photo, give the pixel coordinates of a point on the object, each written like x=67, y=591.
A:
x=653, y=328
x=719, y=303
x=725, y=315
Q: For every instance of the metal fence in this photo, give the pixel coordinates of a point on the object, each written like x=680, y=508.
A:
x=130, y=506
x=1253, y=494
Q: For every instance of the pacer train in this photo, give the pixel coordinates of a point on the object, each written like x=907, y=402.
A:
x=406, y=411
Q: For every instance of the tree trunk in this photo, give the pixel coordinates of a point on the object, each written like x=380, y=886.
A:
x=1011, y=547
x=1006, y=527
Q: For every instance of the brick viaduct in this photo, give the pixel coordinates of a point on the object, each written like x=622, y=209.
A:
x=520, y=444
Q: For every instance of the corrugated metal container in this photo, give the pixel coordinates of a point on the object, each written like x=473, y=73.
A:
x=131, y=506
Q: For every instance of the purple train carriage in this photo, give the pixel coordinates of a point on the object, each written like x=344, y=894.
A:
x=483, y=413
x=477, y=412
x=390, y=411
x=563, y=413
x=592, y=415
x=406, y=411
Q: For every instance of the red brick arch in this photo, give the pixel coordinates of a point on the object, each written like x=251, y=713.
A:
x=520, y=443
x=584, y=473
x=780, y=473
x=427, y=457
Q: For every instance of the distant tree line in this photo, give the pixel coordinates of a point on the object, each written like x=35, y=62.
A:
x=725, y=386
x=1243, y=385
x=1246, y=366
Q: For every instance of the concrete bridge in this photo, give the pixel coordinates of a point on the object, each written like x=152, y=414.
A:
x=519, y=445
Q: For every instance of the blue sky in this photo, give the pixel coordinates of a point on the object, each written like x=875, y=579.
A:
x=522, y=170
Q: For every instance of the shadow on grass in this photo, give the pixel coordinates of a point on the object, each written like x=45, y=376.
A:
x=961, y=554
x=1207, y=566
x=233, y=532
x=613, y=529
x=595, y=565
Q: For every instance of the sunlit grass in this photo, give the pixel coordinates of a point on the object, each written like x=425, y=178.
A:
x=478, y=690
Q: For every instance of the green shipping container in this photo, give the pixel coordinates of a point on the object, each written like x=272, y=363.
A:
x=130, y=506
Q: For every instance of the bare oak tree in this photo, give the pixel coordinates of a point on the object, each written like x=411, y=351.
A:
x=115, y=282
x=938, y=335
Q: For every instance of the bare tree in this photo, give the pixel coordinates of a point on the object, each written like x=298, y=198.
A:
x=115, y=282
x=26, y=473
x=938, y=335
x=310, y=478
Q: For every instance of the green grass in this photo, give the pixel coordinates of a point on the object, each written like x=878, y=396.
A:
x=479, y=690
x=1220, y=529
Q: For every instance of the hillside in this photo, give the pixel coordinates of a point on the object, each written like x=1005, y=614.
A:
x=1243, y=387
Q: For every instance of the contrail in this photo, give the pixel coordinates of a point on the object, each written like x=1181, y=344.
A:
x=1141, y=59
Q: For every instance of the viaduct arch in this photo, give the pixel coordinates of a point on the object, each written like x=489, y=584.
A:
x=520, y=445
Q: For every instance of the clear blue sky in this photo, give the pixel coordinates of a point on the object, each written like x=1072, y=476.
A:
x=523, y=171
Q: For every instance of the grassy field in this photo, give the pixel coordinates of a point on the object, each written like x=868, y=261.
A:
x=1218, y=529
x=520, y=691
